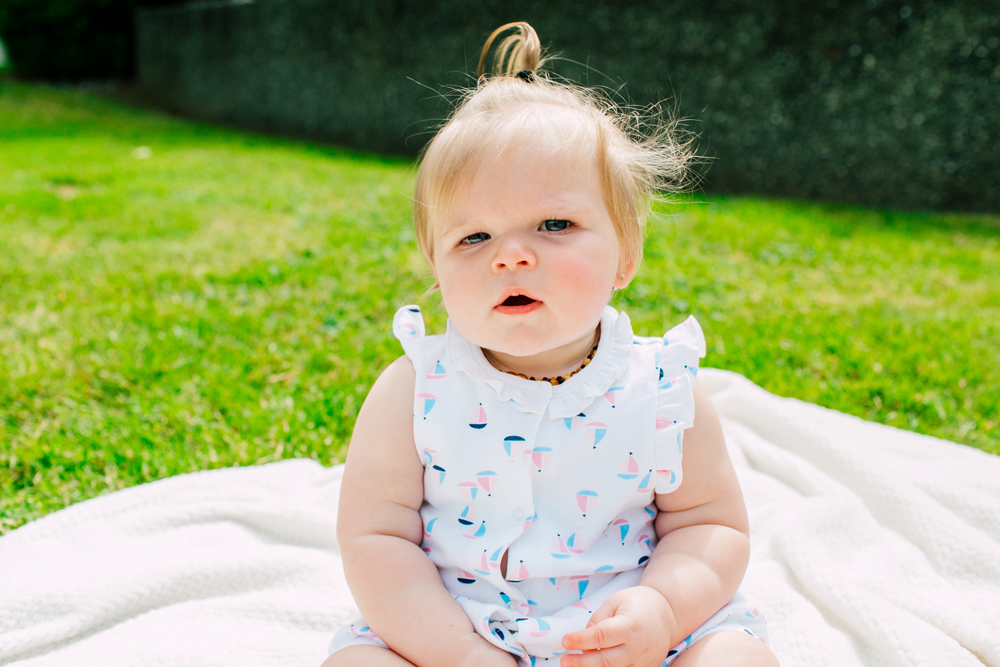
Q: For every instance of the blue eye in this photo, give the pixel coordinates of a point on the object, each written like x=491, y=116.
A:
x=473, y=239
x=556, y=225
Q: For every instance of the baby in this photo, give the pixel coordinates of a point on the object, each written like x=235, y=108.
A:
x=515, y=492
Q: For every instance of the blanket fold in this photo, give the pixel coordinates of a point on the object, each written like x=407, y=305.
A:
x=871, y=546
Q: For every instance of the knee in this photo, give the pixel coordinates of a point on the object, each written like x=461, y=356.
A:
x=727, y=649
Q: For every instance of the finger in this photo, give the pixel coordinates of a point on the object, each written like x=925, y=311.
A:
x=612, y=657
x=605, y=611
x=605, y=634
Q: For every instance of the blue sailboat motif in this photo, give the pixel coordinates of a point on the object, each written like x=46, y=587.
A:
x=478, y=533
x=644, y=484
x=441, y=473
x=495, y=559
x=574, y=544
x=509, y=446
x=468, y=516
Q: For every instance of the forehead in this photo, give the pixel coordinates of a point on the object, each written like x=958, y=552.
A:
x=528, y=178
x=545, y=158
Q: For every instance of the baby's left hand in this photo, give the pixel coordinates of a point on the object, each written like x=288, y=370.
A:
x=630, y=628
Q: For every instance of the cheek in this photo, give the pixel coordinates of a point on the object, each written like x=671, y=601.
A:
x=458, y=287
x=593, y=272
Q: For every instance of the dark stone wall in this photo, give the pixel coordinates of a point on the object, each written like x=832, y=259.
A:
x=879, y=102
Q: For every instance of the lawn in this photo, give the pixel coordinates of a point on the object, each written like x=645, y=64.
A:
x=176, y=297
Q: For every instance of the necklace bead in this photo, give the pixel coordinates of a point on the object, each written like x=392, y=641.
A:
x=559, y=379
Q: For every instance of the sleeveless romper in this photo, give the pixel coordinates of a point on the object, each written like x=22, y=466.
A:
x=560, y=477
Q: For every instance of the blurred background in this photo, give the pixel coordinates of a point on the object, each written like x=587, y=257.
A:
x=205, y=217
x=878, y=102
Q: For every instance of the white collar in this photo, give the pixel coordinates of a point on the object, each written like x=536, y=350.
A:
x=564, y=400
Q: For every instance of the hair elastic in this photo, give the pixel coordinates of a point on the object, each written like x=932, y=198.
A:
x=526, y=75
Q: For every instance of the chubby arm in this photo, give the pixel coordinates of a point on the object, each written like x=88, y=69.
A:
x=704, y=536
x=696, y=568
x=396, y=586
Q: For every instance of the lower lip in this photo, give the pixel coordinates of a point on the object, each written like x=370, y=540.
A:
x=519, y=310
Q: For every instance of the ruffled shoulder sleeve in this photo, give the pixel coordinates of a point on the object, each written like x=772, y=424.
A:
x=676, y=367
x=408, y=328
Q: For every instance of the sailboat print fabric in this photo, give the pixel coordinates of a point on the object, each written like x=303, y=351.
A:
x=562, y=478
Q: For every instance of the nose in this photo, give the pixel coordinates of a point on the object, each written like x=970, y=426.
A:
x=513, y=253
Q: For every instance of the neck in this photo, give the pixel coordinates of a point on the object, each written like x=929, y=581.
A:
x=551, y=363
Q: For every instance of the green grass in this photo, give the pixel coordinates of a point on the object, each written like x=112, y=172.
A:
x=227, y=299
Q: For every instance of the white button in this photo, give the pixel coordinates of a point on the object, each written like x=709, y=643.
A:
x=518, y=514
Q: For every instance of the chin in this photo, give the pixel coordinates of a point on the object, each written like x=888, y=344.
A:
x=517, y=349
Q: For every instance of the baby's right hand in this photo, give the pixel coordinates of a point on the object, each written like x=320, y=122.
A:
x=481, y=653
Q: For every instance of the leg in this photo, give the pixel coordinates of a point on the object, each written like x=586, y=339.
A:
x=364, y=655
x=727, y=648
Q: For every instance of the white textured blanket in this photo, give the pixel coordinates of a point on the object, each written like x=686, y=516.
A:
x=871, y=546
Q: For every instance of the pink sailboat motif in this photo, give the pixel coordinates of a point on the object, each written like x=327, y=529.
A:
x=586, y=500
x=426, y=403
x=664, y=422
x=466, y=577
x=437, y=373
x=484, y=565
x=541, y=628
x=610, y=394
x=469, y=490
x=529, y=522
x=574, y=543
x=539, y=457
x=622, y=525
x=487, y=479
x=597, y=431
x=478, y=420
x=573, y=423
x=582, y=603
x=629, y=469
x=667, y=476
x=558, y=549
x=429, y=527
x=519, y=574
x=440, y=473
x=364, y=632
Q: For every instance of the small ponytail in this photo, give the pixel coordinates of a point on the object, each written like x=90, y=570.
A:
x=518, y=55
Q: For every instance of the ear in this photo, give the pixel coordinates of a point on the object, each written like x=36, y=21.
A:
x=625, y=275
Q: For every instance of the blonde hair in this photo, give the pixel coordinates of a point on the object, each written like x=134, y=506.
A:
x=638, y=154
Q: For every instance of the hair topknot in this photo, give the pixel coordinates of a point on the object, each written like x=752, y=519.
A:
x=640, y=153
x=520, y=52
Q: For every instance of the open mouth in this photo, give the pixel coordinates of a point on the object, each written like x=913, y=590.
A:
x=517, y=300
